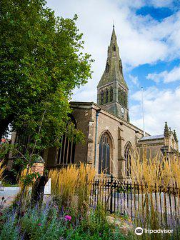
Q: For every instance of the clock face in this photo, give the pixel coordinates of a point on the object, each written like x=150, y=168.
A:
x=122, y=110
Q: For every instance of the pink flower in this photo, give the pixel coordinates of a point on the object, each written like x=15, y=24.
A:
x=67, y=218
x=39, y=224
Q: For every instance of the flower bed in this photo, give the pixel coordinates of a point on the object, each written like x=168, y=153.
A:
x=52, y=222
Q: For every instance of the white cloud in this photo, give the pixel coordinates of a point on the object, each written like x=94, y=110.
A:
x=159, y=106
x=166, y=77
x=134, y=80
x=141, y=3
x=141, y=39
x=161, y=3
x=156, y=77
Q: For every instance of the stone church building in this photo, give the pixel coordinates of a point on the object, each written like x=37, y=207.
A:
x=109, y=135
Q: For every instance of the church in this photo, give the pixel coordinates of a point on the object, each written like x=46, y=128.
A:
x=109, y=136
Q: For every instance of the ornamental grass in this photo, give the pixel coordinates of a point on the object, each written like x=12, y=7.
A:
x=72, y=185
x=150, y=170
x=2, y=169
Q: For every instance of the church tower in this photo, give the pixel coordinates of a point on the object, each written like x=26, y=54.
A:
x=112, y=90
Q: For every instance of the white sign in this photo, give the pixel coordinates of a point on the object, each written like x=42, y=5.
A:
x=47, y=189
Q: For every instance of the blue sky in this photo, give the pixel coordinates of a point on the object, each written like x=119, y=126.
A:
x=148, y=35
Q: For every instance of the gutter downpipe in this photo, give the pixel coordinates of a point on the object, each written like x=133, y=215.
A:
x=97, y=114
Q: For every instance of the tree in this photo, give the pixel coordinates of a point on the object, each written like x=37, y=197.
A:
x=41, y=62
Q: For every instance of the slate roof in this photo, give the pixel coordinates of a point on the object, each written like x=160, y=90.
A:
x=154, y=137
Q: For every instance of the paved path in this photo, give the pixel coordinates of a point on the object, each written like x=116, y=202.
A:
x=9, y=194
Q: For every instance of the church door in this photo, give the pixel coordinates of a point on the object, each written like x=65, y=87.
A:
x=104, y=154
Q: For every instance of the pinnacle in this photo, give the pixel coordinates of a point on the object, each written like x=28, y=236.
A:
x=166, y=130
x=175, y=136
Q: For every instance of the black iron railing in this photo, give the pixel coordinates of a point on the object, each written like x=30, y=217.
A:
x=138, y=201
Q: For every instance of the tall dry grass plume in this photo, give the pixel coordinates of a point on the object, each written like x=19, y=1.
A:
x=2, y=169
x=72, y=185
x=158, y=169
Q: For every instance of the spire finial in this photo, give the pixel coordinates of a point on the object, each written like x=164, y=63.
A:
x=166, y=130
x=113, y=36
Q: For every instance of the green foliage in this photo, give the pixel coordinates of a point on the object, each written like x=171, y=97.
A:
x=4, y=150
x=9, y=231
x=49, y=223
x=41, y=62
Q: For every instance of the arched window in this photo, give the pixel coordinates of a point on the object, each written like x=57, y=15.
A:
x=104, y=154
x=107, y=94
x=126, y=100
x=102, y=97
x=119, y=95
x=127, y=156
x=122, y=96
x=66, y=152
x=114, y=48
x=111, y=94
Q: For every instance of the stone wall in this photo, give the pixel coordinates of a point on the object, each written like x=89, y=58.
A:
x=120, y=132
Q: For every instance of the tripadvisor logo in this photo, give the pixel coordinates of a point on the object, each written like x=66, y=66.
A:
x=138, y=231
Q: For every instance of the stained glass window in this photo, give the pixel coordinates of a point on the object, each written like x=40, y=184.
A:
x=127, y=156
x=104, y=154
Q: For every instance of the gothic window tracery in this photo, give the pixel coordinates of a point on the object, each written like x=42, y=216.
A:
x=122, y=97
x=102, y=97
x=66, y=152
x=119, y=95
x=111, y=94
x=126, y=100
x=127, y=156
x=107, y=94
x=104, y=154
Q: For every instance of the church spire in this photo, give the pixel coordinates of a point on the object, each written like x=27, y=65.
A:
x=113, y=37
x=112, y=88
x=113, y=70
